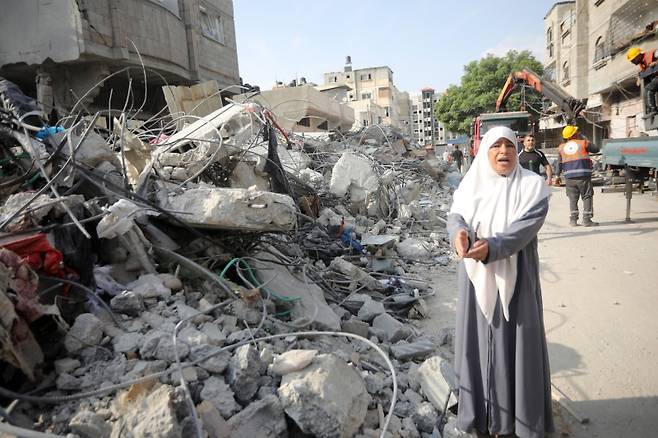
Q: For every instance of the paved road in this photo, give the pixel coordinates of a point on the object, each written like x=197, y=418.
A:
x=600, y=288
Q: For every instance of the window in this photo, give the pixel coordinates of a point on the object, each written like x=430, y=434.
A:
x=305, y=121
x=365, y=76
x=599, y=50
x=387, y=111
x=212, y=26
x=367, y=95
x=323, y=126
x=549, y=42
x=365, y=122
x=597, y=2
x=565, y=71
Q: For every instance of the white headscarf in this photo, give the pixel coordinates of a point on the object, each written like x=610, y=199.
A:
x=491, y=202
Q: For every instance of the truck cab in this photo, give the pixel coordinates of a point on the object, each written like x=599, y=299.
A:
x=517, y=121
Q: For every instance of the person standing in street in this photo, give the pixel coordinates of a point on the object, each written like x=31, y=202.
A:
x=458, y=157
x=532, y=159
x=501, y=357
x=575, y=164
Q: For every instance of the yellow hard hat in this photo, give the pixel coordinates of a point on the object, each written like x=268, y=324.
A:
x=633, y=53
x=569, y=131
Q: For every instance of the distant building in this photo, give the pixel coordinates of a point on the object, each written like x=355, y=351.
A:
x=586, y=43
x=372, y=94
x=426, y=129
x=52, y=47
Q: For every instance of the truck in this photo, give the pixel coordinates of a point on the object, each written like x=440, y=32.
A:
x=636, y=159
x=521, y=121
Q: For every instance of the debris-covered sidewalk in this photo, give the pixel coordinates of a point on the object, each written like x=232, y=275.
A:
x=217, y=276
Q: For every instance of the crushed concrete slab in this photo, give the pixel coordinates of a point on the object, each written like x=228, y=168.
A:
x=216, y=364
x=230, y=209
x=311, y=306
x=261, y=419
x=217, y=392
x=292, y=360
x=414, y=249
x=353, y=174
x=244, y=369
x=128, y=303
x=433, y=383
x=86, y=330
x=327, y=399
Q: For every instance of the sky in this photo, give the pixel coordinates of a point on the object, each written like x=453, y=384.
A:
x=425, y=42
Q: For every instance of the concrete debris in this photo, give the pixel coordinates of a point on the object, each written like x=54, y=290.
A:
x=434, y=385
x=261, y=419
x=326, y=399
x=86, y=331
x=230, y=209
x=292, y=360
x=219, y=232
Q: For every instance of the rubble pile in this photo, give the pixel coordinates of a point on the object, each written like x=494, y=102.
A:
x=218, y=277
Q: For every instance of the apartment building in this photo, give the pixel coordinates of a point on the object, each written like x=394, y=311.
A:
x=586, y=43
x=427, y=130
x=373, y=94
x=57, y=51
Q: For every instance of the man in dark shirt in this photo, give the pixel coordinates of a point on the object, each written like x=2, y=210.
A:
x=458, y=157
x=532, y=159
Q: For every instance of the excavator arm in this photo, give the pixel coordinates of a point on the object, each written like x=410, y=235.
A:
x=565, y=102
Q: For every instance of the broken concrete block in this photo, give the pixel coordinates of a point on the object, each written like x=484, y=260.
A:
x=230, y=209
x=261, y=419
x=160, y=345
x=312, y=178
x=217, y=392
x=433, y=383
x=391, y=329
x=450, y=430
x=90, y=425
x=357, y=274
x=171, y=281
x=353, y=174
x=214, y=334
x=409, y=429
x=213, y=422
x=192, y=336
x=312, y=304
x=419, y=349
x=87, y=330
x=292, y=360
x=191, y=314
x=126, y=342
x=356, y=327
x=216, y=364
x=128, y=303
x=370, y=310
x=425, y=417
x=150, y=286
x=92, y=151
x=413, y=249
x=67, y=382
x=66, y=365
x=154, y=415
x=326, y=399
x=244, y=369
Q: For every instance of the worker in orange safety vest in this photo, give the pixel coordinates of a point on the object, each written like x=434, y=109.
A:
x=575, y=164
x=646, y=60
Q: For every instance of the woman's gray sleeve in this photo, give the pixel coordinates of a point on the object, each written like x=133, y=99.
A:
x=455, y=223
x=519, y=234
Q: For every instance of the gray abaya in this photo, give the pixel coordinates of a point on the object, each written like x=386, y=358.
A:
x=502, y=369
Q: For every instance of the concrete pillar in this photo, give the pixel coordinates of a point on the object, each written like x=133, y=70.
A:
x=190, y=16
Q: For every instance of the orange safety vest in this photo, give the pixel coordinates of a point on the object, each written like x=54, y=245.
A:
x=575, y=159
x=647, y=59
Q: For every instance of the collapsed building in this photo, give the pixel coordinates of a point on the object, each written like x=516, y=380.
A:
x=217, y=275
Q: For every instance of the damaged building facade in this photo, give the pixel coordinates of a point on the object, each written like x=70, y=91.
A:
x=57, y=51
x=427, y=130
x=373, y=95
x=586, y=43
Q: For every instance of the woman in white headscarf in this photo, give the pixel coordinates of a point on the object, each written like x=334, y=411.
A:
x=501, y=359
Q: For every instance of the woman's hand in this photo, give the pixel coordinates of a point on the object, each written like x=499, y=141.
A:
x=479, y=251
x=461, y=243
